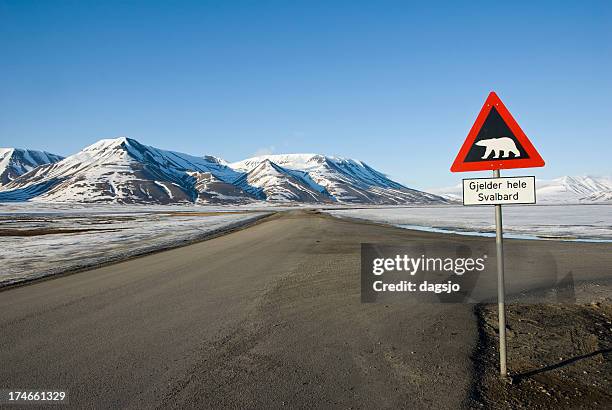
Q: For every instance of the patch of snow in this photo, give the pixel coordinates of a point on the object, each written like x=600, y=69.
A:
x=165, y=188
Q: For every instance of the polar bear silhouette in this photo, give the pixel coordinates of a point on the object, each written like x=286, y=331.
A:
x=497, y=145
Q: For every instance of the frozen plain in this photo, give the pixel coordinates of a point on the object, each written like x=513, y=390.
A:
x=566, y=222
x=39, y=240
x=44, y=239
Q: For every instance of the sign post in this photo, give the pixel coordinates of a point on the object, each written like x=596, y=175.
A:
x=501, y=292
x=496, y=142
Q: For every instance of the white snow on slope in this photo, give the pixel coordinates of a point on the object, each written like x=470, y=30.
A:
x=581, y=189
x=281, y=184
x=551, y=221
x=117, y=170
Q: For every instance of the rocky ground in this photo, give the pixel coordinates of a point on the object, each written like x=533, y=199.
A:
x=559, y=355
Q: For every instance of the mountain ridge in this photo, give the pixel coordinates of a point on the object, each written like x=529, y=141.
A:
x=122, y=170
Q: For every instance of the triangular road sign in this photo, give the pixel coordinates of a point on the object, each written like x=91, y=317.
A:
x=496, y=142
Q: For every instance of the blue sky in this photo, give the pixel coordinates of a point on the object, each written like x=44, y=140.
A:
x=396, y=84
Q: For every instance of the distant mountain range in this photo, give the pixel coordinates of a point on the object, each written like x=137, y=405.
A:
x=563, y=190
x=122, y=170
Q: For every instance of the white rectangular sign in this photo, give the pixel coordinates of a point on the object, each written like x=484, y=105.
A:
x=493, y=191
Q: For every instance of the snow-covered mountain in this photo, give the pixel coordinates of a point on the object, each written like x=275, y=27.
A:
x=15, y=162
x=276, y=183
x=563, y=190
x=123, y=170
x=342, y=180
x=580, y=189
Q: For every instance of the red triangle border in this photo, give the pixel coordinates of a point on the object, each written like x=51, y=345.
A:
x=534, y=160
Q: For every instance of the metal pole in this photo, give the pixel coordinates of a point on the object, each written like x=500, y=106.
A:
x=501, y=294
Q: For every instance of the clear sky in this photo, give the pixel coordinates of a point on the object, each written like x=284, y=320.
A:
x=396, y=84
